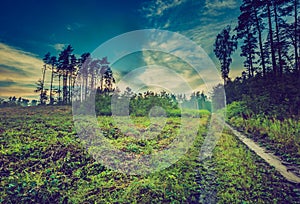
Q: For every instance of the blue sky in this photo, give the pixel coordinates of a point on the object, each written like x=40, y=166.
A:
x=31, y=28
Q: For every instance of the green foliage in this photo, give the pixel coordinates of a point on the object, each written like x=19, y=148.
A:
x=236, y=109
x=103, y=104
x=146, y=103
x=14, y=102
x=270, y=96
x=278, y=135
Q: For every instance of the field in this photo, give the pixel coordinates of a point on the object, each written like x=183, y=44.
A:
x=42, y=160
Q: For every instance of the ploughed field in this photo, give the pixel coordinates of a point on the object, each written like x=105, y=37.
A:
x=42, y=160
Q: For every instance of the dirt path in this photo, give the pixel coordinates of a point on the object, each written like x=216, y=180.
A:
x=268, y=157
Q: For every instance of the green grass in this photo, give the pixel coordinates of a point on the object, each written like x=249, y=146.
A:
x=243, y=177
x=42, y=160
x=281, y=136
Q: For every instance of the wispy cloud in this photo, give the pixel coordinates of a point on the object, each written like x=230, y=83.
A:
x=17, y=91
x=59, y=46
x=14, y=57
x=11, y=71
x=158, y=7
x=205, y=34
x=74, y=26
x=190, y=63
x=170, y=62
x=217, y=7
x=18, y=68
x=200, y=21
x=7, y=83
x=155, y=78
x=8, y=88
x=220, y=4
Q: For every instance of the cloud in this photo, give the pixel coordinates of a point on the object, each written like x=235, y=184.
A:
x=159, y=7
x=10, y=70
x=191, y=15
x=19, y=59
x=189, y=63
x=200, y=21
x=74, y=26
x=155, y=78
x=217, y=7
x=59, y=46
x=220, y=4
x=8, y=88
x=160, y=71
x=17, y=91
x=205, y=34
x=7, y=83
x=18, y=70
x=69, y=27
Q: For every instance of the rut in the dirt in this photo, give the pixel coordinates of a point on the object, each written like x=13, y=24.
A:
x=206, y=174
x=206, y=179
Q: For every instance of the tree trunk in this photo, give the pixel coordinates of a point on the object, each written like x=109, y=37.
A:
x=42, y=88
x=280, y=71
x=101, y=83
x=51, y=86
x=86, y=87
x=92, y=80
x=65, y=86
x=251, y=65
x=70, y=87
x=258, y=28
x=271, y=39
x=251, y=69
x=59, y=90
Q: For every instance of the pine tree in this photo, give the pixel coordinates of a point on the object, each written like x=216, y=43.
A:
x=224, y=46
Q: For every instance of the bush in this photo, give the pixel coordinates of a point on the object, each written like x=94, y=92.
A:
x=235, y=109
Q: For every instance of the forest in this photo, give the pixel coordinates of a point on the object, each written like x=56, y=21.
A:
x=43, y=158
x=269, y=37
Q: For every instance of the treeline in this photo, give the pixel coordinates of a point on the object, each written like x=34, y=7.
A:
x=65, y=68
x=14, y=101
x=262, y=96
x=140, y=104
x=269, y=31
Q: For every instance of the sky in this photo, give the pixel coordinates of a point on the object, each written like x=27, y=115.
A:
x=31, y=28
